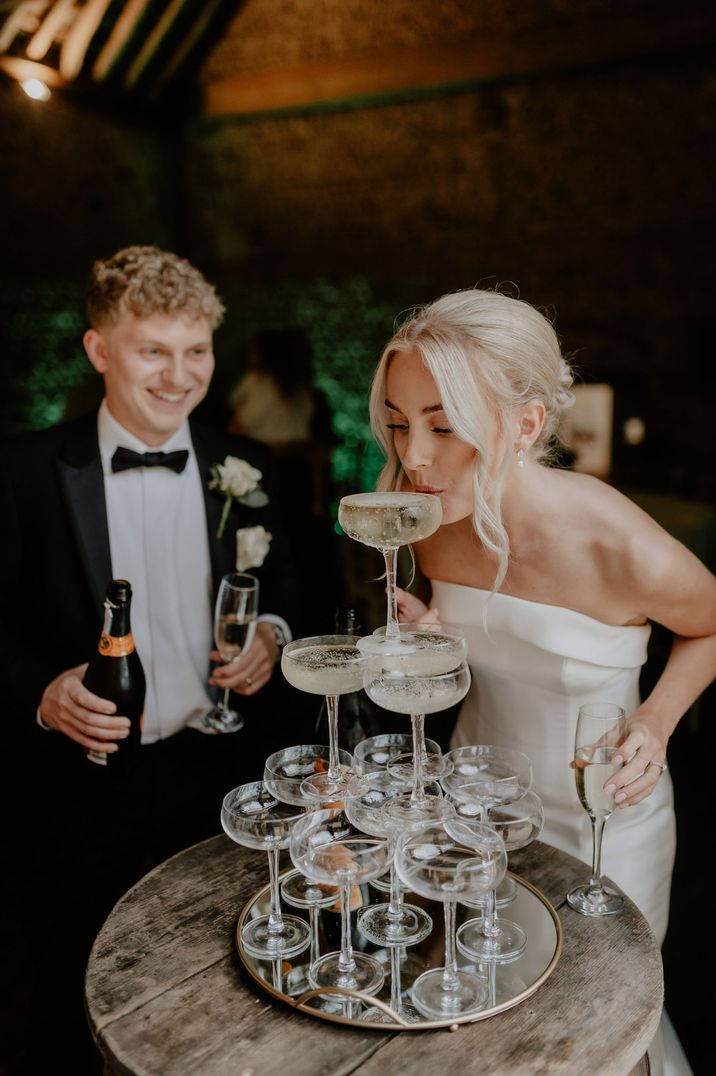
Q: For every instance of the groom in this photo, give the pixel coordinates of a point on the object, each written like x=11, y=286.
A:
x=82, y=503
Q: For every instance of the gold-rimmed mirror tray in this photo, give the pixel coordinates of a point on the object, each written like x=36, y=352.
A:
x=508, y=983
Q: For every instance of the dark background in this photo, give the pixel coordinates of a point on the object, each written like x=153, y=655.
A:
x=574, y=164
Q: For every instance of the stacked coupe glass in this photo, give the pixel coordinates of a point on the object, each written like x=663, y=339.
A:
x=381, y=818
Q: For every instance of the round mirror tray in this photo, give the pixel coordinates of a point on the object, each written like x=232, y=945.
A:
x=507, y=984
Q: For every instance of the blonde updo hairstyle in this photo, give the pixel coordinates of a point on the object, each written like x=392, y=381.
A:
x=489, y=354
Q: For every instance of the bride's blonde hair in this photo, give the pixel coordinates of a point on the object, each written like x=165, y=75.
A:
x=488, y=354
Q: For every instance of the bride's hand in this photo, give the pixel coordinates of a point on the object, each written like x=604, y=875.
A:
x=414, y=611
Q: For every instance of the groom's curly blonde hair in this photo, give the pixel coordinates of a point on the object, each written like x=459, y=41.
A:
x=143, y=280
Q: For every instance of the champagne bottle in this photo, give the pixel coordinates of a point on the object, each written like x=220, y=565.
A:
x=115, y=672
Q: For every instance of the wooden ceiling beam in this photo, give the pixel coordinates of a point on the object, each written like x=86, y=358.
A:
x=492, y=59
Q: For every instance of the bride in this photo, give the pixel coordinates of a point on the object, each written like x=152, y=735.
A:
x=553, y=577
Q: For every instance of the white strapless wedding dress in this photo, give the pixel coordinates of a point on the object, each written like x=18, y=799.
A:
x=533, y=666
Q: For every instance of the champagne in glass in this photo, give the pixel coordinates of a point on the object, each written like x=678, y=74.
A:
x=329, y=665
x=423, y=681
x=237, y=606
x=601, y=729
x=387, y=521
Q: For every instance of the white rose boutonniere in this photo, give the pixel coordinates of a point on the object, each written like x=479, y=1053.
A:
x=238, y=481
x=252, y=545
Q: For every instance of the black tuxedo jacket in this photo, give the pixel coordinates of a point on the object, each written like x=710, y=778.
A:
x=55, y=556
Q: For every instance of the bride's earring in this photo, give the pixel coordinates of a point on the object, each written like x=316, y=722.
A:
x=520, y=457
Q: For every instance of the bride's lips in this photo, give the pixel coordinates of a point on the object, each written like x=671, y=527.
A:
x=428, y=489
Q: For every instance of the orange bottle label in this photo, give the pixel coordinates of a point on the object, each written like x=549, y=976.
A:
x=111, y=646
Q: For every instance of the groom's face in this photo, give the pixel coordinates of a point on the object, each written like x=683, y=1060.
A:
x=156, y=370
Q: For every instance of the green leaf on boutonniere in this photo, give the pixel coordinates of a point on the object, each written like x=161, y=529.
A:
x=255, y=499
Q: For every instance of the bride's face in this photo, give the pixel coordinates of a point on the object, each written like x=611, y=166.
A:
x=433, y=458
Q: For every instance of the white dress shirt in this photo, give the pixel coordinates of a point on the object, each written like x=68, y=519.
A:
x=158, y=541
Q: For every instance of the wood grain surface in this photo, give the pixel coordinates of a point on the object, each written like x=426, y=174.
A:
x=166, y=993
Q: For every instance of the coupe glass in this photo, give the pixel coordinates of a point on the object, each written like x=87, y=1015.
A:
x=424, y=681
x=254, y=818
x=377, y=752
x=235, y=612
x=496, y=775
x=329, y=665
x=387, y=521
x=286, y=770
x=449, y=861
x=394, y=923
x=327, y=849
x=601, y=729
x=492, y=937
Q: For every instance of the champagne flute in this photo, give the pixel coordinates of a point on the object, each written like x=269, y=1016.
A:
x=449, y=861
x=329, y=665
x=601, y=728
x=252, y=817
x=237, y=606
x=387, y=521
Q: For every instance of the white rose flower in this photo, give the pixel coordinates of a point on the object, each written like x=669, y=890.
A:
x=252, y=545
x=235, y=477
x=238, y=481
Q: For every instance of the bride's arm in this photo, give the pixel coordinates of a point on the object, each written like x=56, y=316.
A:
x=675, y=589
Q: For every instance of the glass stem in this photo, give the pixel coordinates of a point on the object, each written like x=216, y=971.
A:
x=333, y=764
x=395, y=907
x=450, y=980
x=275, y=922
x=346, y=963
x=313, y=925
x=224, y=702
x=396, y=1001
x=392, y=631
x=490, y=926
x=598, y=822
x=417, y=796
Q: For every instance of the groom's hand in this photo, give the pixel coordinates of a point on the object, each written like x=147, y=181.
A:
x=249, y=673
x=68, y=707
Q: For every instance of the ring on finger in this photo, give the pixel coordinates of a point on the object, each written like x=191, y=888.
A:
x=248, y=681
x=661, y=766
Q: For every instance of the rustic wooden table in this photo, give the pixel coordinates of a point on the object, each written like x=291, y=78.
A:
x=167, y=994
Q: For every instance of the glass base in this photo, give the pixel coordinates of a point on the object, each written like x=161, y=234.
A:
x=294, y=937
x=434, y=767
x=432, y=999
x=377, y=926
x=595, y=900
x=507, y=945
x=320, y=788
x=506, y=894
x=382, y=646
x=219, y=720
x=300, y=892
x=367, y=975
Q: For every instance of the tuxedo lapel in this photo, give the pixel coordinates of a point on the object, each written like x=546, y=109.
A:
x=222, y=551
x=80, y=472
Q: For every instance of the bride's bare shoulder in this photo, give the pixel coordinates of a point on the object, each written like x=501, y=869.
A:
x=595, y=500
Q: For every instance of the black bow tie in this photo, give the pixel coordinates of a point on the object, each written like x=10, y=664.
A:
x=124, y=458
